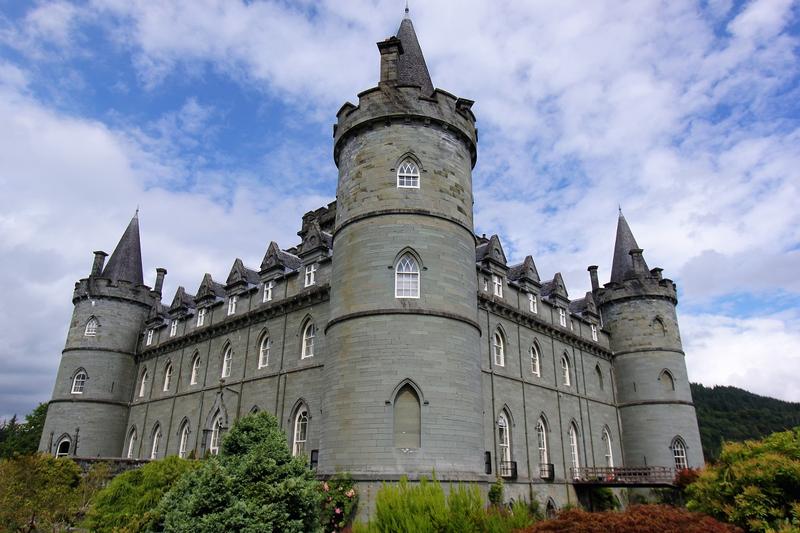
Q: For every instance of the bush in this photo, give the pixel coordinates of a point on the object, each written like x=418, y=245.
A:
x=339, y=502
x=637, y=519
x=755, y=484
x=129, y=502
x=38, y=492
x=253, y=485
x=496, y=492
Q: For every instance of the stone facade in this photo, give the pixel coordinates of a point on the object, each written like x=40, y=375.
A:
x=465, y=379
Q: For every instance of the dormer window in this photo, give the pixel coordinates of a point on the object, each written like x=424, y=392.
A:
x=268, y=286
x=408, y=175
x=533, y=305
x=311, y=275
x=232, y=304
x=594, y=333
x=173, y=328
x=201, y=317
x=149, y=340
x=562, y=317
x=497, y=283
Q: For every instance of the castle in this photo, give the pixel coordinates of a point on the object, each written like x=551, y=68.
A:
x=392, y=340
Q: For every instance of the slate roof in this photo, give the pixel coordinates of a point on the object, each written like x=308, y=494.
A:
x=526, y=270
x=275, y=256
x=126, y=261
x=622, y=265
x=239, y=272
x=210, y=288
x=554, y=287
x=182, y=299
x=411, y=67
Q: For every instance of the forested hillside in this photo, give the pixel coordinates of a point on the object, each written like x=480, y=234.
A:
x=730, y=413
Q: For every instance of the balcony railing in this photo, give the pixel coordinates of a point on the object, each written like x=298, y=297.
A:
x=508, y=469
x=546, y=471
x=621, y=476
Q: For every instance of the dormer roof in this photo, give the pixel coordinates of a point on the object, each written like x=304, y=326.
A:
x=524, y=271
x=209, y=289
x=182, y=301
x=555, y=288
x=275, y=257
x=240, y=274
x=491, y=250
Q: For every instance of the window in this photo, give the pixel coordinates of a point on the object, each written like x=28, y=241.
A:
x=156, y=442
x=232, y=304
x=666, y=380
x=263, y=351
x=79, y=382
x=599, y=374
x=167, y=377
x=311, y=271
x=143, y=384
x=594, y=333
x=407, y=419
x=227, y=360
x=308, y=341
x=565, y=377
x=195, y=369
x=201, y=317
x=535, y=368
x=268, y=286
x=406, y=278
x=149, y=337
x=573, y=449
x=173, y=328
x=541, y=440
x=679, y=454
x=562, y=316
x=533, y=305
x=485, y=284
x=498, y=348
x=184, y=444
x=216, y=433
x=300, y=432
x=408, y=175
x=504, y=438
x=609, y=451
x=62, y=450
x=131, y=444
x=497, y=284
x=91, y=328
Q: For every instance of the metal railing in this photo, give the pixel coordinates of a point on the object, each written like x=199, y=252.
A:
x=508, y=469
x=642, y=476
x=546, y=471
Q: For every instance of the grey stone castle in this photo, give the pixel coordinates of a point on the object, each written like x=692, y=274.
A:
x=392, y=340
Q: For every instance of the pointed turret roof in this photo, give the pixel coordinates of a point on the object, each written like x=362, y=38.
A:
x=411, y=67
x=622, y=266
x=126, y=261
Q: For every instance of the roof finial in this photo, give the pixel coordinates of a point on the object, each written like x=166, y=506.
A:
x=619, y=206
x=136, y=214
x=407, y=9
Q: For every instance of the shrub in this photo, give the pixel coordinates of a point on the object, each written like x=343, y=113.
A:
x=496, y=492
x=636, y=519
x=253, y=485
x=128, y=503
x=339, y=502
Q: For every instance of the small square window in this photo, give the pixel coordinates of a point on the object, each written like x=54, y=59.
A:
x=311, y=271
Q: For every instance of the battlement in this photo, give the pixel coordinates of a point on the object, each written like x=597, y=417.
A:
x=99, y=287
x=646, y=286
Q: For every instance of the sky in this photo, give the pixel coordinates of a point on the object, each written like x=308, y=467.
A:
x=215, y=117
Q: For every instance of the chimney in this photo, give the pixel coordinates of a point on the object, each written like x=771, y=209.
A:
x=160, y=273
x=638, y=261
x=593, y=276
x=99, y=261
x=656, y=272
x=390, y=50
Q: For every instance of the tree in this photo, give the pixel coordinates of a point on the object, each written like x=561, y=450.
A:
x=254, y=484
x=755, y=484
x=38, y=492
x=16, y=438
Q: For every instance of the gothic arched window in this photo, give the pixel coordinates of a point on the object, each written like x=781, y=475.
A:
x=91, y=327
x=62, y=449
x=504, y=442
x=156, y=442
x=227, y=362
x=541, y=441
x=263, y=351
x=667, y=381
x=406, y=277
x=536, y=369
x=599, y=374
x=408, y=175
x=143, y=383
x=131, y=444
x=184, y=442
x=407, y=418
x=167, y=377
x=300, y=431
x=573, y=449
x=195, y=369
x=79, y=381
x=307, y=349
x=609, y=449
x=498, y=347
x=565, y=372
x=679, y=453
x=216, y=435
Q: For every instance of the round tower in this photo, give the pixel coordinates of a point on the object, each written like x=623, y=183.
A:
x=659, y=424
x=403, y=381
x=88, y=412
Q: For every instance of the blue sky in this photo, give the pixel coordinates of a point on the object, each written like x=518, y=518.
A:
x=215, y=118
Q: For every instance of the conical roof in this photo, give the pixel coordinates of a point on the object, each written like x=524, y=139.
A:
x=411, y=67
x=126, y=261
x=622, y=266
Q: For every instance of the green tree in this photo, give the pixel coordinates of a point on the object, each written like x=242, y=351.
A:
x=254, y=484
x=38, y=492
x=755, y=484
x=129, y=502
x=16, y=438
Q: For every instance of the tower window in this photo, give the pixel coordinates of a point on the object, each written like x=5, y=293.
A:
x=407, y=419
x=300, y=432
x=201, y=317
x=406, y=278
x=216, y=433
x=268, y=286
x=167, y=377
x=195, y=370
x=232, y=304
x=79, y=382
x=666, y=380
x=562, y=316
x=173, y=328
x=91, y=328
x=307, y=349
x=184, y=444
x=311, y=275
x=594, y=332
x=535, y=362
x=227, y=361
x=263, y=351
x=498, y=347
x=62, y=450
x=143, y=384
x=149, y=337
x=497, y=284
x=679, y=454
x=533, y=306
x=408, y=175
x=565, y=373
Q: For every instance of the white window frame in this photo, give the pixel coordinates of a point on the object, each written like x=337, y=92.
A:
x=79, y=382
x=216, y=433
x=504, y=438
x=406, y=277
x=149, y=340
x=307, y=348
x=565, y=371
x=143, y=384
x=184, y=443
x=232, y=299
x=679, y=454
x=300, y=432
x=408, y=175
x=201, y=317
x=167, y=377
x=541, y=442
x=485, y=284
x=173, y=327
x=311, y=275
x=536, y=361
x=268, y=286
x=132, y=437
x=573, y=448
x=263, y=351
x=156, y=443
x=227, y=362
x=533, y=305
x=59, y=453
x=499, y=349
x=562, y=316
x=195, y=370
x=91, y=327
x=609, y=449
x=497, y=285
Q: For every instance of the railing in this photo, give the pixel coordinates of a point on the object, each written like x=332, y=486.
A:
x=642, y=476
x=546, y=471
x=508, y=469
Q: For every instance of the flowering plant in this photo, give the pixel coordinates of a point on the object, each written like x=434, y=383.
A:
x=339, y=502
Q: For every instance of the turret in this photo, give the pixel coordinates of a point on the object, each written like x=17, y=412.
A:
x=87, y=414
x=404, y=380
x=659, y=424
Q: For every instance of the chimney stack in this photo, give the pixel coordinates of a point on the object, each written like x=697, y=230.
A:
x=99, y=261
x=593, y=276
x=638, y=261
x=160, y=273
x=390, y=50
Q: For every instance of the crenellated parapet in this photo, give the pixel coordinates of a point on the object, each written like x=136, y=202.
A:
x=98, y=287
